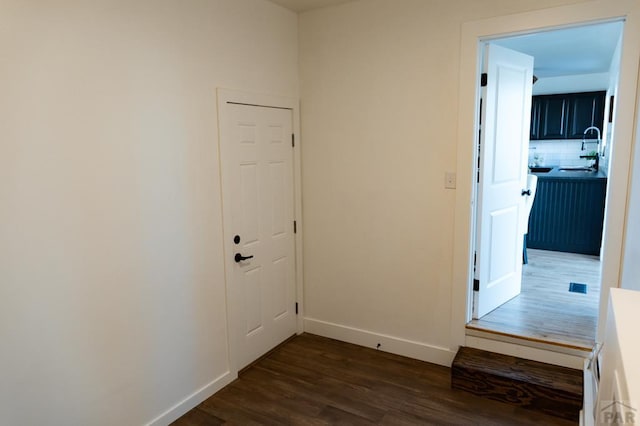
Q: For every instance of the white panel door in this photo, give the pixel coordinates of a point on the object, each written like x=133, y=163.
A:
x=258, y=200
x=504, y=142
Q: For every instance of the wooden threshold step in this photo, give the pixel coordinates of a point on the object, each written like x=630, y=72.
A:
x=547, y=388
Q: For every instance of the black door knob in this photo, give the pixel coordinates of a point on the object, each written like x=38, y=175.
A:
x=526, y=192
x=239, y=258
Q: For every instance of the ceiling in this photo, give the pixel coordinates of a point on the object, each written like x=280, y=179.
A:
x=304, y=5
x=570, y=51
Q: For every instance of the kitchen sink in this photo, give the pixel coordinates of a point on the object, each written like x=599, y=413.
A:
x=577, y=169
x=540, y=169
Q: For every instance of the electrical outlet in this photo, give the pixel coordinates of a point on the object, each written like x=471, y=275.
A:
x=450, y=180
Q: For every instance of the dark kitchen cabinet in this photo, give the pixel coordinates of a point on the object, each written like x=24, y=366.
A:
x=566, y=116
x=554, y=117
x=586, y=110
x=535, y=118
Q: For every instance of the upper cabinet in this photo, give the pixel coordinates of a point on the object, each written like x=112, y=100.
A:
x=554, y=117
x=535, y=117
x=585, y=110
x=566, y=116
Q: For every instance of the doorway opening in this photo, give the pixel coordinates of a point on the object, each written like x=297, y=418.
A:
x=567, y=153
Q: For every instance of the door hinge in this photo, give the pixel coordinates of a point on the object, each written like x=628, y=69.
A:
x=476, y=285
x=296, y=308
x=293, y=140
x=483, y=79
x=295, y=227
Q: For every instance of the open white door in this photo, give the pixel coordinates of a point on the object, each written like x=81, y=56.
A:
x=504, y=141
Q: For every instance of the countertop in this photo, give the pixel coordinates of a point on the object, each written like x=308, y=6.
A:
x=556, y=173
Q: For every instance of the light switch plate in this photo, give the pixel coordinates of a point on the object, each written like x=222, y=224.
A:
x=450, y=180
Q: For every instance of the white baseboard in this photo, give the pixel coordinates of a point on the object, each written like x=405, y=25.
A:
x=190, y=402
x=395, y=345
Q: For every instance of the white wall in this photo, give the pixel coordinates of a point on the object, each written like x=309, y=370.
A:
x=612, y=91
x=112, y=301
x=631, y=260
x=379, y=92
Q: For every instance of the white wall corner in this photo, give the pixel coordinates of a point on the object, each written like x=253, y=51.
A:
x=395, y=345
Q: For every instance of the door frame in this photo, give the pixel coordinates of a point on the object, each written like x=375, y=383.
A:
x=473, y=35
x=225, y=96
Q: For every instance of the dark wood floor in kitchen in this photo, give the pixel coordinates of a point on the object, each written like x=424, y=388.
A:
x=311, y=380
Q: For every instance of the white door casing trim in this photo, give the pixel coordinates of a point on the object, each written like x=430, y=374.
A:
x=225, y=96
x=475, y=32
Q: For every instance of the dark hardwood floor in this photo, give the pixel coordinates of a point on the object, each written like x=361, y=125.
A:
x=311, y=380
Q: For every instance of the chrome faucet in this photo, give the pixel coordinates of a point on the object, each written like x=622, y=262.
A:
x=596, y=157
x=585, y=134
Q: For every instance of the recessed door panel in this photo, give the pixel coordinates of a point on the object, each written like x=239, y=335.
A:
x=252, y=300
x=509, y=101
x=276, y=133
x=247, y=133
x=280, y=287
x=503, y=245
x=277, y=177
x=250, y=203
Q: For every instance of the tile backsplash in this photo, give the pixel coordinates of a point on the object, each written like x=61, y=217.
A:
x=563, y=152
